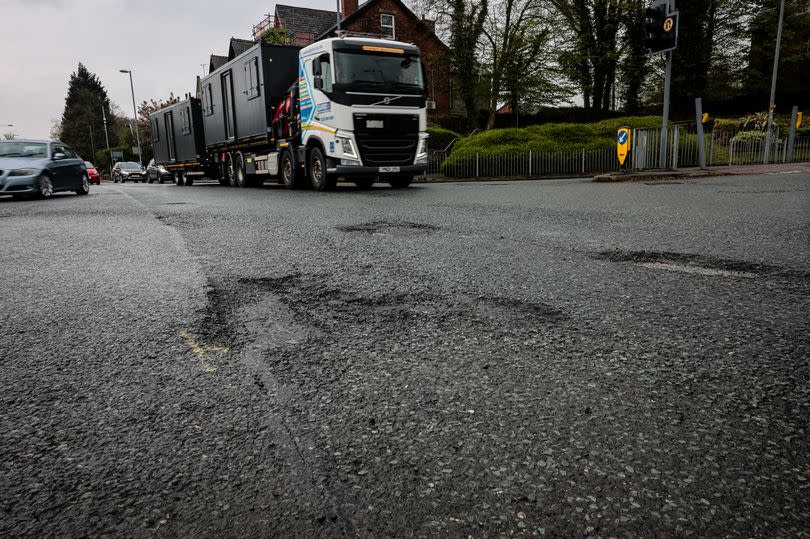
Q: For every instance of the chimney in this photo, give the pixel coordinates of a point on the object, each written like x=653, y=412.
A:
x=349, y=7
x=430, y=24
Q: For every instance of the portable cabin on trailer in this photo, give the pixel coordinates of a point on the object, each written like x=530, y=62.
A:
x=177, y=133
x=239, y=97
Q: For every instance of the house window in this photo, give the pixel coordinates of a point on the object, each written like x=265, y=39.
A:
x=208, y=102
x=387, y=26
x=252, y=78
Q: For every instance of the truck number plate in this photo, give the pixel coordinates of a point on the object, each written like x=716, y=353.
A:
x=375, y=124
x=389, y=169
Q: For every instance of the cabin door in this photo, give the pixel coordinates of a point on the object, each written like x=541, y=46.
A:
x=169, y=130
x=227, y=96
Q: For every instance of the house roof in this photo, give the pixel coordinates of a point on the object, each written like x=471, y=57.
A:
x=216, y=62
x=362, y=9
x=238, y=46
x=304, y=19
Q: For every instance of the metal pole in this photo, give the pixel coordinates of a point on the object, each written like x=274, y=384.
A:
x=338, y=15
x=106, y=136
x=135, y=110
x=772, y=103
x=794, y=116
x=665, y=121
x=92, y=142
x=699, y=118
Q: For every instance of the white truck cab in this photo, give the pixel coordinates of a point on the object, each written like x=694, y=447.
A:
x=362, y=102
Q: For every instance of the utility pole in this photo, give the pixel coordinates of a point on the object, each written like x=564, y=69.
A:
x=106, y=136
x=338, y=15
x=772, y=103
x=135, y=110
x=92, y=142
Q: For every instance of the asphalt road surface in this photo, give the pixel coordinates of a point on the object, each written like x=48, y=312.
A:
x=555, y=358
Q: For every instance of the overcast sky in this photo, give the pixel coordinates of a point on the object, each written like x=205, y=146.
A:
x=162, y=41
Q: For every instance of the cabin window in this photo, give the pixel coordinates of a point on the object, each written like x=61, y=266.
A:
x=252, y=78
x=322, y=67
x=208, y=102
x=185, y=120
x=155, y=130
x=387, y=26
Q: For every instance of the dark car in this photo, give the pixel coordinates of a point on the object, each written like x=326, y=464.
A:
x=40, y=167
x=157, y=173
x=92, y=173
x=128, y=170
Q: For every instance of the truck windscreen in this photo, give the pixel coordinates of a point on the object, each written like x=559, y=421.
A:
x=378, y=71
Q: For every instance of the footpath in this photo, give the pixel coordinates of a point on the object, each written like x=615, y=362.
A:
x=686, y=173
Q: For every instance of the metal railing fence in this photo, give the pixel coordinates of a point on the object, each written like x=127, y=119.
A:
x=523, y=164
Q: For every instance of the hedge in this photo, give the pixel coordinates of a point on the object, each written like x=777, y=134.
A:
x=440, y=138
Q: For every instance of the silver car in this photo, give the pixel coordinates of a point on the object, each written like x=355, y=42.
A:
x=40, y=167
x=128, y=170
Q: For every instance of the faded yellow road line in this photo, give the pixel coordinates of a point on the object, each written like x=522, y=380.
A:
x=202, y=351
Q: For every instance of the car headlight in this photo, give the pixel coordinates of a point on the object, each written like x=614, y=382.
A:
x=124, y=173
x=23, y=172
x=347, y=147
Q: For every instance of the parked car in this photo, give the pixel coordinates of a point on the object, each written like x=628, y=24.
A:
x=92, y=173
x=128, y=170
x=157, y=173
x=40, y=167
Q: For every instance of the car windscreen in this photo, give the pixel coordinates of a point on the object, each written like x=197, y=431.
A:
x=130, y=166
x=88, y=164
x=23, y=149
x=378, y=70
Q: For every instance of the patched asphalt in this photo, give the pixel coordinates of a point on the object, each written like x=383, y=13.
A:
x=556, y=358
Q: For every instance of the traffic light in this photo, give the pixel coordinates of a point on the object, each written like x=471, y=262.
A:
x=660, y=27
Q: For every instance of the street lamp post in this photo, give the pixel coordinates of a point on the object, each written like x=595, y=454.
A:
x=135, y=110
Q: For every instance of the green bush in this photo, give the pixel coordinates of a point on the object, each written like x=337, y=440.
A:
x=748, y=136
x=440, y=138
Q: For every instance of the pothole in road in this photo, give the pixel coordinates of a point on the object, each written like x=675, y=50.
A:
x=698, y=264
x=389, y=227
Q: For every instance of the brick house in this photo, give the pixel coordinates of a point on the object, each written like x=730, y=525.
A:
x=390, y=19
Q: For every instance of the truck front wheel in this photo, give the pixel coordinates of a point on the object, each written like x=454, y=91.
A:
x=318, y=177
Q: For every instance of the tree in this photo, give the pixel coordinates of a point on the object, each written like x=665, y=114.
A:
x=634, y=65
x=466, y=27
x=591, y=59
x=81, y=125
x=794, y=58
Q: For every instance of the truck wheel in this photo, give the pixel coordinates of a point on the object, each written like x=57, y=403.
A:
x=189, y=180
x=239, y=172
x=287, y=173
x=178, y=178
x=400, y=182
x=230, y=173
x=318, y=176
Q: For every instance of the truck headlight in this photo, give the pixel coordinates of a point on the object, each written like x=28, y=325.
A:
x=421, y=152
x=23, y=172
x=347, y=147
x=349, y=162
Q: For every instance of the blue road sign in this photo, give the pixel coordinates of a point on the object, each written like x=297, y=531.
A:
x=622, y=138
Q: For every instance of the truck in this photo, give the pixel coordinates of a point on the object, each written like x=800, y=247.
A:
x=348, y=107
